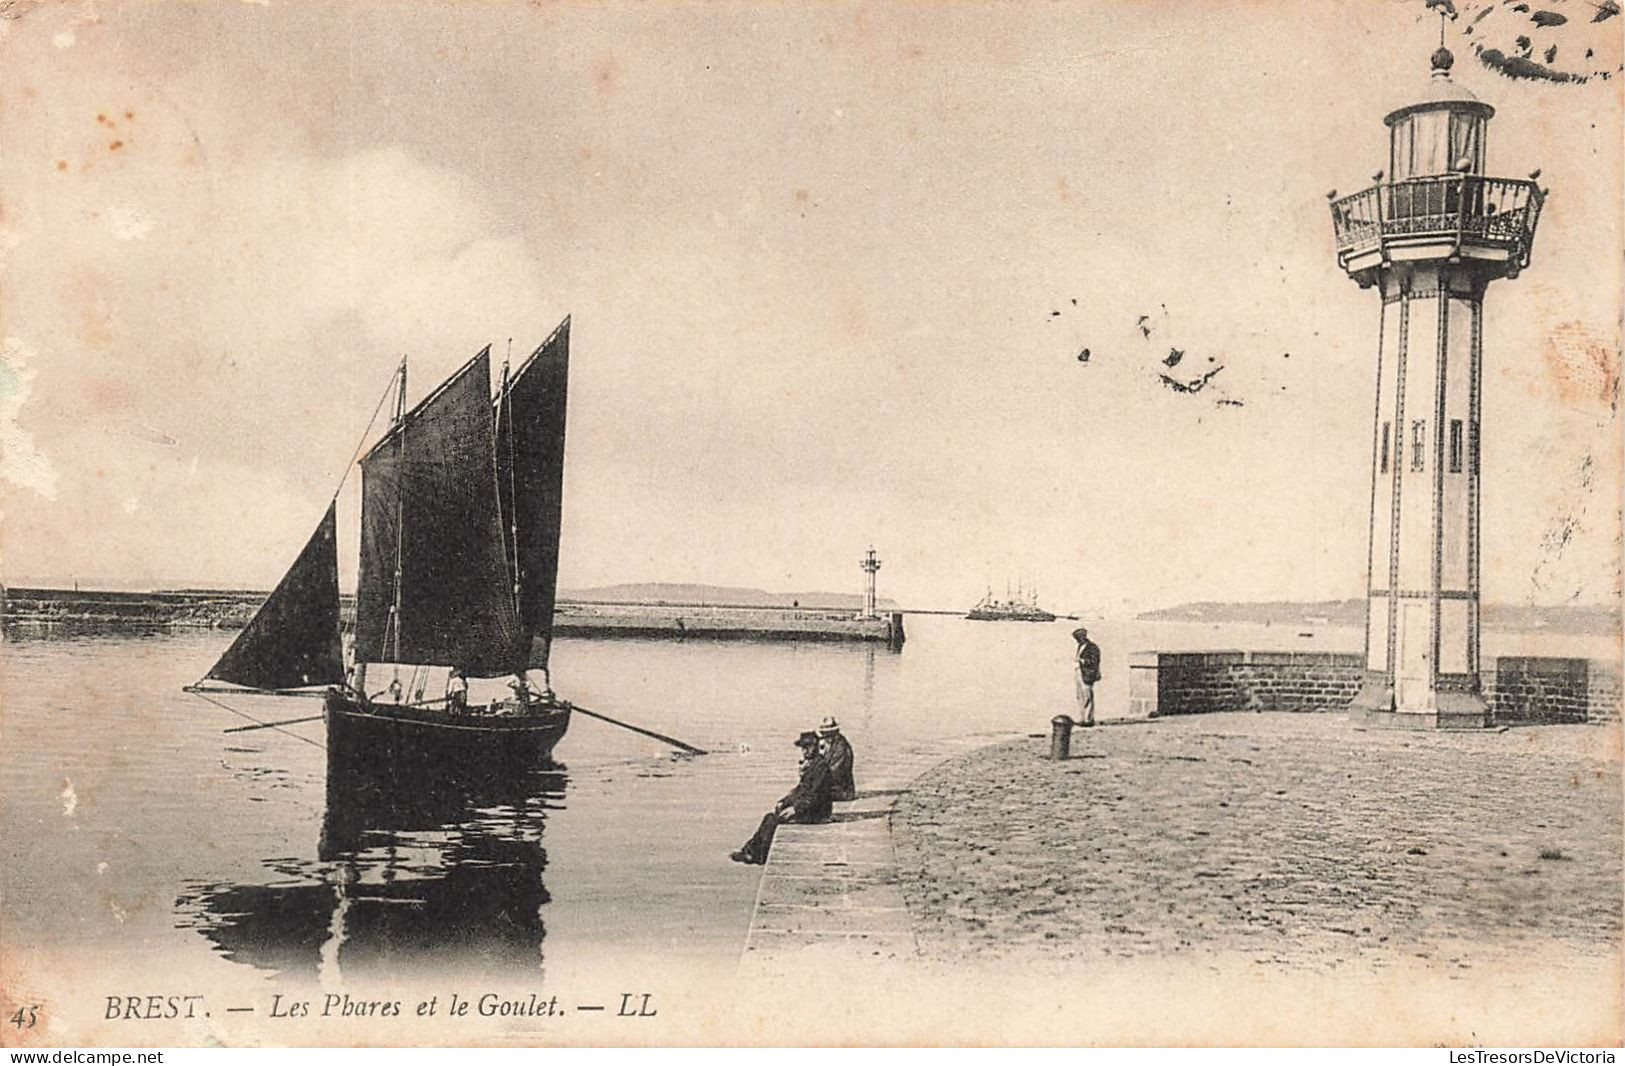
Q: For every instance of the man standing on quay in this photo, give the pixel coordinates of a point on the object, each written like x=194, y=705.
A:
x=1086, y=671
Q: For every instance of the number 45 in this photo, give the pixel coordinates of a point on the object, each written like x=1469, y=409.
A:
x=25, y=1017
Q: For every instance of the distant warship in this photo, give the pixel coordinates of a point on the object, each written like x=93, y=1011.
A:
x=1021, y=607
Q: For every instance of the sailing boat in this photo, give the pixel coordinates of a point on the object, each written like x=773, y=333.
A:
x=460, y=517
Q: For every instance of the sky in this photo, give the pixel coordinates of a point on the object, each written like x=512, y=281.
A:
x=830, y=268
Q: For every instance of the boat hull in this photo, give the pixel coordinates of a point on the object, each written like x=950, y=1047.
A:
x=407, y=736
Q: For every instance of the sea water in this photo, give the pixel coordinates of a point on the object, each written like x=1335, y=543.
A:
x=136, y=828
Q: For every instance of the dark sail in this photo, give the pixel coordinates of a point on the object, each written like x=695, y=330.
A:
x=293, y=640
x=428, y=492
x=530, y=481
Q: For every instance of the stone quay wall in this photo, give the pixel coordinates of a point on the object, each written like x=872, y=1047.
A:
x=1529, y=689
x=1166, y=683
x=1520, y=689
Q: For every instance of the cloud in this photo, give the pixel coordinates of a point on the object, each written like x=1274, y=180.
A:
x=128, y=223
x=21, y=463
x=756, y=377
x=378, y=239
x=258, y=317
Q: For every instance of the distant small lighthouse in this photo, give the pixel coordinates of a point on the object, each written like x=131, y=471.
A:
x=871, y=566
x=1430, y=238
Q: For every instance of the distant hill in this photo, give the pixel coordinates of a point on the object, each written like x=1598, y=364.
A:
x=1279, y=612
x=716, y=596
x=1594, y=621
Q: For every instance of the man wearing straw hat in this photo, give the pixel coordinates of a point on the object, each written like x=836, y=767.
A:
x=837, y=751
x=1086, y=671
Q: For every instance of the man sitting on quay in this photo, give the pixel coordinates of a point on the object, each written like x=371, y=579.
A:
x=837, y=751
x=808, y=802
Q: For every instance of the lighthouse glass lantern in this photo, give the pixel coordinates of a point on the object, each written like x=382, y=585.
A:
x=1430, y=238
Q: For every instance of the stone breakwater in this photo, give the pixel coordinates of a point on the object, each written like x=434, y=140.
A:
x=705, y=622
x=129, y=610
x=1292, y=842
x=47, y=608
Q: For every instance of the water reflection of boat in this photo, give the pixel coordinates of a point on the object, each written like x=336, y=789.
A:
x=460, y=518
x=1020, y=607
x=366, y=799
x=445, y=871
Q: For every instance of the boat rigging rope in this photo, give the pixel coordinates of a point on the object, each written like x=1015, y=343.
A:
x=354, y=456
x=256, y=721
x=388, y=389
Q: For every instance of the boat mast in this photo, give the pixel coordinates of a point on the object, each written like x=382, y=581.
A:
x=400, y=509
x=505, y=405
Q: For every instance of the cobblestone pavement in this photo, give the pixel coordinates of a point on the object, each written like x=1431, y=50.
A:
x=1297, y=841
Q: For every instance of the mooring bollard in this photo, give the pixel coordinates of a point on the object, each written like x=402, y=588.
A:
x=1060, y=737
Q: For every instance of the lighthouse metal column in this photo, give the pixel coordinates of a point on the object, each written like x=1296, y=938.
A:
x=1430, y=240
x=1422, y=630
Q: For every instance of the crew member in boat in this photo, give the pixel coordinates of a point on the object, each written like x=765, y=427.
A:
x=392, y=693
x=837, y=751
x=521, y=688
x=457, y=691
x=809, y=801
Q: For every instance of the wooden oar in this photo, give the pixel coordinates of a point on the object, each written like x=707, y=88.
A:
x=258, y=724
x=674, y=742
x=271, y=725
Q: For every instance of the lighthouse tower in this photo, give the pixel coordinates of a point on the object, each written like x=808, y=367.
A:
x=870, y=566
x=1430, y=237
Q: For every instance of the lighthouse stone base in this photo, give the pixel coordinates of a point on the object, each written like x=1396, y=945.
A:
x=1374, y=707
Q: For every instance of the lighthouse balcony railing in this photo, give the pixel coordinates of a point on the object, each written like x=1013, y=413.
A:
x=1459, y=207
